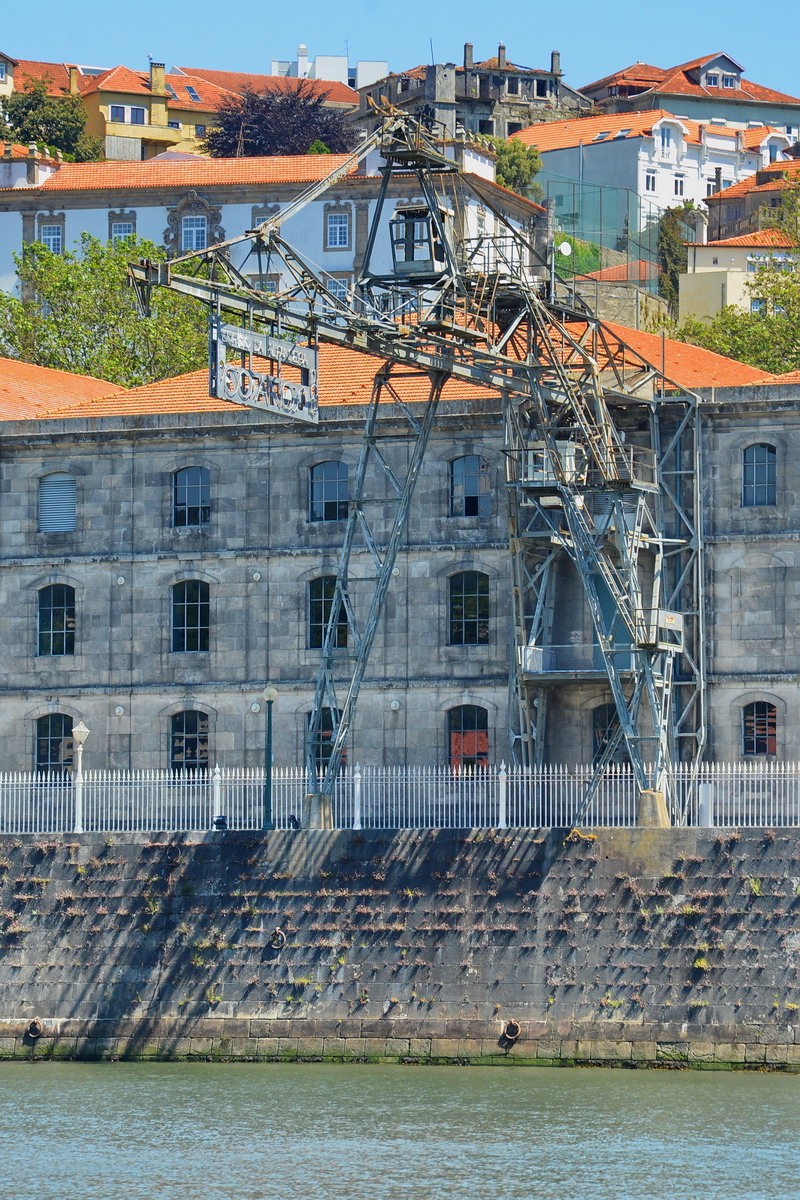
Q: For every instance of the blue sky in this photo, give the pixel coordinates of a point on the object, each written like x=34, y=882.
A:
x=594, y=38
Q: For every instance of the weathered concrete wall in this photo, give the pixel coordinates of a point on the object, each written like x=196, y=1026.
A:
x=641, y=946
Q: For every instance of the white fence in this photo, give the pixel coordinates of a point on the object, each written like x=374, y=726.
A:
x=731, y=794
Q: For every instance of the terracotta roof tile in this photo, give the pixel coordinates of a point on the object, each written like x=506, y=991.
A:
x=236, y=81
x=675, y=81
x=787, y=377
x=558, y=135
x=28, y=391
x=637, y=73
x=202, y=172
x=776, y=180
x=759, y=237
x=641, y=270
x=56, y=73
x=17, y=150
x=690, y=366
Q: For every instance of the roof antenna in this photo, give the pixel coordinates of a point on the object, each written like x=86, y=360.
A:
x=433, y=60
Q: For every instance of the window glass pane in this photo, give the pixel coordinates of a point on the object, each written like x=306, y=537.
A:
x=338, y=229
x=323, y=742
x=189, y=741
x=193, y=233
x=191, y=496
x=605, y=726
x=58, y=503
x=52, y=236
x=54, y=743
x=56, y=619
x=320, y=596
x=469, y=609
x=117, y=112
x=329, y=493
x=759, y=728
x=190, y=616
x=137, y=116
x=121, y=230
x=759, y=476
x=468, y=736
x=469, y=487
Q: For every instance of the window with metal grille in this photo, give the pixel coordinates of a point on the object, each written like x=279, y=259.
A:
x=759, y=728
x=189, y=741
x=323, y=741
x=469, y=487
x=329, y=491
x=52, y=236
x=468, y=736
x=54, y=744
x=190, y=616
x=191, y=496
x=56, y=619
x=759, y=475
x=605, y=727
x=194, y=233
x=469, y=609
x=58, y=503
x=320, y=598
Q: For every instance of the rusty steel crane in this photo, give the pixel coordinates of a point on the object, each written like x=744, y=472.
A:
x=601, y=448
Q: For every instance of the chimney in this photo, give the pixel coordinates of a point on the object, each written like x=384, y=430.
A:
x=33, y=150
x=157, y=86
x=501, y=55
x=555, y=62
x=718, y=179
x=9, y=150
x=302, y=62
x=468, y=56
x=73, y=81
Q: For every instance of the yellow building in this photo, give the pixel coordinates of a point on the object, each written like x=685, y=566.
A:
x=719, y=271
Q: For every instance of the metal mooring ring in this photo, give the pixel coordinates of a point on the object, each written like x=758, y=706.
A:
x=512, y=1031
x=35, y=1029
x=278, y=939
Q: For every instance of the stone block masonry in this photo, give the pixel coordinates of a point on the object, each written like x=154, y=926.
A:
x=641, y=947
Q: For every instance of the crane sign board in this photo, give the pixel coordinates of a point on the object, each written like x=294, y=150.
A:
x=242, y=385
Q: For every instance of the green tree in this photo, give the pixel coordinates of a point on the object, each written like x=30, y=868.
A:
x=516, y=167
x=79, y=314
x=672, y=254
x=57, y=122
x=267, y=123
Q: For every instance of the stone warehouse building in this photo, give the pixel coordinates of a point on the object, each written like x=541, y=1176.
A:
x=164, y=554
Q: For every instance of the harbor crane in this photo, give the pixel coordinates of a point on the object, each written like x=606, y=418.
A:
x=601, y=447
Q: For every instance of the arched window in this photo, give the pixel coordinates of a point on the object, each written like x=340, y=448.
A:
x=54, y=743
x=759, y=728
x=328, y=492
x=58, y=503
x=468, y=736
x=323, y=741
x=469, y=609
x=320, y=598
x=469, y=487
x=56, y=619
x=191, y=496
x=605, y=726
x=758, y=475
x=189, y=741
x=190, y=615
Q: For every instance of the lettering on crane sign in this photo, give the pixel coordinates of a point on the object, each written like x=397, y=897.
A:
x=242, y=385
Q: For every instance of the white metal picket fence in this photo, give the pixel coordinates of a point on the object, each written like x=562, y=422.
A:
x=730, y=794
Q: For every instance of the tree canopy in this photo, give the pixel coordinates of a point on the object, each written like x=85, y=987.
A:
x=672, y=254
x=516, y=167
x=57, y=122
x=79, y=314
x=766, y=333
x=295, y=121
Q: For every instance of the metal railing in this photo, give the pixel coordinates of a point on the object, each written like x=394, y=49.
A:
x=729, y=794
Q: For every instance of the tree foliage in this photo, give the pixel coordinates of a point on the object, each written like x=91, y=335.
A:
x=672, y=255
x=57, y=122
x=765, y=334
x=516, y=167
x=267, y=123
x=79, y=314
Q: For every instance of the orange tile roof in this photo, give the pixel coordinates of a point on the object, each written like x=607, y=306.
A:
x=779, y=176
x=28, y=391
x=759, y=237
x=561, y=135
x=787, y=377
x=236, y=81
x=675, y=81
x=690, y=366
x=640, y=270
x=345, y=377
x=637, y=73
x=183, y=173
x=754, y=138
x=55, y=73
x=17, y=150
x=122, y=79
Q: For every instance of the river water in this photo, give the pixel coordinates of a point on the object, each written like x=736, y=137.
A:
x=124, y=1131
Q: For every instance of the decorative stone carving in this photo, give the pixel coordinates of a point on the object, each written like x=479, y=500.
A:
x=192, y=205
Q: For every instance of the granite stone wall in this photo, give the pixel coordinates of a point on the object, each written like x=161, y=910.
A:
x=638, y=947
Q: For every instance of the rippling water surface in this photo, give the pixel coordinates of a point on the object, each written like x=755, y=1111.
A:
x=124, y=1131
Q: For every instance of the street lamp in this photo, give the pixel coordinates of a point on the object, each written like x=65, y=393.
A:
x=79, y=734
x=270, y=696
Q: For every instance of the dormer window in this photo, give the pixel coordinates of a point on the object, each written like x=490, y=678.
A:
x=192, y=94
x=712, y=80
x=666, y=138
x=729, y=81
x=2, y=71
x=598, y=137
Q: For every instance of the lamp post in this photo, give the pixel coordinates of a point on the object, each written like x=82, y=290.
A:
x=270, y=696
x=79, y=734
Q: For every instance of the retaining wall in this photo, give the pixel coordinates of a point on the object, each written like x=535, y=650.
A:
x=638, y=947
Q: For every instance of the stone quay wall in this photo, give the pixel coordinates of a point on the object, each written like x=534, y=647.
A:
x=634, y=947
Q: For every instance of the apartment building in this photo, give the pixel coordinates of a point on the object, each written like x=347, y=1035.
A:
x=718, y=273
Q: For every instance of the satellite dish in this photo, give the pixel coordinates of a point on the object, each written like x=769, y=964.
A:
x=565, y=248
